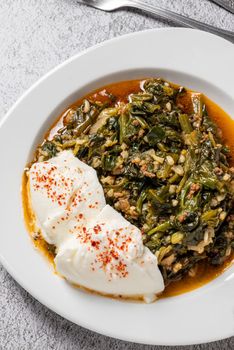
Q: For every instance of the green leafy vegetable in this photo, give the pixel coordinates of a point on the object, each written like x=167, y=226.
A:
x=165, y=169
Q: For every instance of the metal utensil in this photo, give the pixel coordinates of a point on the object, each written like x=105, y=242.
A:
x=226, y=4
x=111, y=5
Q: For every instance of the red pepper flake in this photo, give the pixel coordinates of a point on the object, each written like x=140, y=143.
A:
x=95, y=244
x=97, y=229
x=114, y=254
x=121, y=267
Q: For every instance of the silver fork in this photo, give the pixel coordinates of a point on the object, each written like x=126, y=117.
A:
x=112, y=5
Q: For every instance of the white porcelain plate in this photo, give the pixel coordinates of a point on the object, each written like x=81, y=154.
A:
x=188, y=57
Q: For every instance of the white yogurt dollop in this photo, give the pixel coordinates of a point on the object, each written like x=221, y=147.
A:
x=96, y=247
x=109, y=257
x=61, y=189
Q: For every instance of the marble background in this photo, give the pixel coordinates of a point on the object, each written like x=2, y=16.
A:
x=35, y=36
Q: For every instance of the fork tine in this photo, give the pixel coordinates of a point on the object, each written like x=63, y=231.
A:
x=86, y=2
x=105, y=5
x=92, y=3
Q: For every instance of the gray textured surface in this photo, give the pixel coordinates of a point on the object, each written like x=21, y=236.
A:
x=35, y=36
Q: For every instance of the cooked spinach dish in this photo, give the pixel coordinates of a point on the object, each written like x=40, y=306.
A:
x=164, y=165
